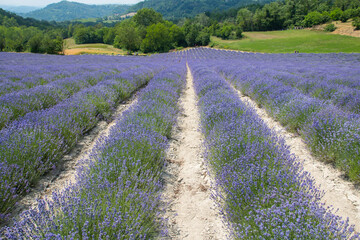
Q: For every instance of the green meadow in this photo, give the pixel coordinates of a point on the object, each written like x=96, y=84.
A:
x=288, y=41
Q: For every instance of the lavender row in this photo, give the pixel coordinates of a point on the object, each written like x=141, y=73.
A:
x=25, y=71
x=330, y=133
x=117, y=193
x=333, y=77
x=345, y=96
x=17, y=104
x=260, y=187
x=33, y=144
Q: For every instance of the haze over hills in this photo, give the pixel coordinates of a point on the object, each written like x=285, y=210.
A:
x=19, y=9
x=66, y=10
x=170, y=9
x=189, y=8
x=27, y=22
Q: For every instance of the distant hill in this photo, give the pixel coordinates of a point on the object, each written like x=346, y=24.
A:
x=66, y=11
x=172, y=9
x=24, y=21
x=19, y=9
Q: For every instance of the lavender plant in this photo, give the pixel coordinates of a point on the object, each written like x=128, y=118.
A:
x=261, y=188
x=117, y=192
x=300, y=113
x=32, y=145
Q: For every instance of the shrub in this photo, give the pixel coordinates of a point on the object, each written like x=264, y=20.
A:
x=356, y=23
x=330, y=27
x=336, y=14
x=313, y=18
x=345, y=16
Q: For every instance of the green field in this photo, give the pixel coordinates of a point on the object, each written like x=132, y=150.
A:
x=288, y=41
x=71, y=48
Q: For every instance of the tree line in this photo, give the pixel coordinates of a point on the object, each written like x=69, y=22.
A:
x=288, y=14
x=149, y=32
x=18, y=34
x=14, y=37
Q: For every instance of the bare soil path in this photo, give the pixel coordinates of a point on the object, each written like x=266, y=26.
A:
x=339, y=193
x=192, y=213
x=63, y=175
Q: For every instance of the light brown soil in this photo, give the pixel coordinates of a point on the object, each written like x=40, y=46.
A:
x=341, y=28
x=346, y=29
x=340, y=194
x=81, y=51
x=192, y=213
x=64, y=175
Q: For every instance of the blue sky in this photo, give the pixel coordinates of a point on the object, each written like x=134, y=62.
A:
x=43, y=3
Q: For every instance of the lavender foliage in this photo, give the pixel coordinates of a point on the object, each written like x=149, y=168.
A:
x=262, y=190
x=33, y=144
x=330, y=129
x=117, y=193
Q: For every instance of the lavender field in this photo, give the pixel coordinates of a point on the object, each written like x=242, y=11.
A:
x=258, y=187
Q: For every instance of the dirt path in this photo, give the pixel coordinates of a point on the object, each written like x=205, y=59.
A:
x=192, y=213
x=341, y=194
x=64, y=174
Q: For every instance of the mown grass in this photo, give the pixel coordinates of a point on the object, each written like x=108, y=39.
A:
x=288, y=41
x=71, y=48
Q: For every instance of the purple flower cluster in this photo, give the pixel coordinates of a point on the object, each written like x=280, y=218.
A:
x=25, y=71
x=262, y=190
x=47, y=85
x=31, y=145
x=330, y=129
x=117, y=193
x=341, y=89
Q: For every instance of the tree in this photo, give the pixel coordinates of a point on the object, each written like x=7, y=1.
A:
x=260, y=22
x=313, y=18
x=81, y=35
x=202, y=20
x=342, y=4
x=245, y=19
x=127, y=37
x=336, y=14
x=146, y=17
x=191, y=33
x=49, y=45
x=9, y=22
x=214, y=28
x=225, y=31
x=238, y=32
x=326, y=16
x=345, y=15
x=177, y=36
x=14, y=39
x=2, y=42
x=59, y=45
x=35, y=43
x=109, y=36
x=356, y=23
x=157, y=39
x=203, y=38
